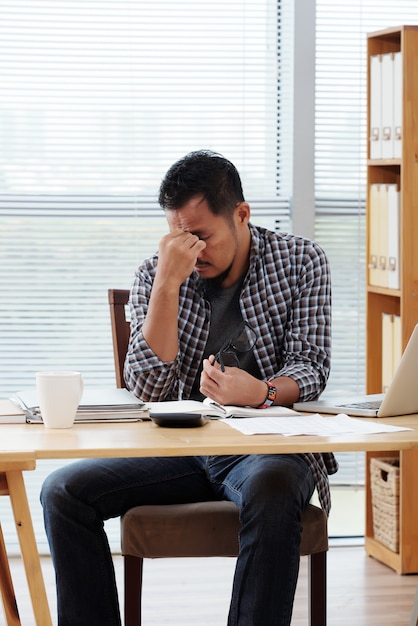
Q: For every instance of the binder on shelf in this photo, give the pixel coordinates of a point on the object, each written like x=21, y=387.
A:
x=374, y=235
x=383, y=236
x=393, y=251
x=375, y=110
x=386, y=101
x=397, y=341
x=386, y=106
x=387, y=350
x=391, y=347
x=397, y=104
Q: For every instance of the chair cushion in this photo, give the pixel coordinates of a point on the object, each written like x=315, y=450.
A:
x=192, y=529
x=202, y=529
x=314, y=537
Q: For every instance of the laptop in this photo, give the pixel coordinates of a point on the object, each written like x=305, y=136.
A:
x=401, y=397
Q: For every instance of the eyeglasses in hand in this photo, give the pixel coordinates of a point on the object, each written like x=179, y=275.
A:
x=242, y=341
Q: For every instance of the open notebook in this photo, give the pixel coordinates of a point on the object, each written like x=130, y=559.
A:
x=401, y=397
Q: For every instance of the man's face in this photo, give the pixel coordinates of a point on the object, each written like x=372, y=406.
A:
x=227, y=242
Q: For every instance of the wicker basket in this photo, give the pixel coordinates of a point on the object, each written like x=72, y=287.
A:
x=384, y=476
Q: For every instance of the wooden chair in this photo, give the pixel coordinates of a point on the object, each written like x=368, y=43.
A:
x=201, y=529
x=11, y=484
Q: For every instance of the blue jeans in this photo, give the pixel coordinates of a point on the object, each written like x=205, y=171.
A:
x=271, y=492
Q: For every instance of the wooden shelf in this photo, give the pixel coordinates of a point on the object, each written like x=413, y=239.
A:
x=402, y=302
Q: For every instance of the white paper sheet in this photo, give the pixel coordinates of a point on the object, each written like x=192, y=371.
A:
x=314, y=424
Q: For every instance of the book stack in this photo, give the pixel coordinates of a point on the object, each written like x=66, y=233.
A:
x=96, y=405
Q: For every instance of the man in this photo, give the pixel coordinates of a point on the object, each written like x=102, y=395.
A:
x=214, y=274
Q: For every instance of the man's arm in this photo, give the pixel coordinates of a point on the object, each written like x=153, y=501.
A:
x=177, y=255
x=151, y=365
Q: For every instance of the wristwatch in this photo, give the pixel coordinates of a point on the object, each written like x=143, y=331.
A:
x=271, y=395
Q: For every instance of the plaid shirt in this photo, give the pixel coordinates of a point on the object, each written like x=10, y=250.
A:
x=286, y=297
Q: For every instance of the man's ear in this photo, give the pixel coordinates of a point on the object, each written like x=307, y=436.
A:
x=242, y=211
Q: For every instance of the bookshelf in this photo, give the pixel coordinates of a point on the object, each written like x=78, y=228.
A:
x=400, y=170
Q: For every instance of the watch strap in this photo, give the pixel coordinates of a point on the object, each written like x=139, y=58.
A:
x=271, y=395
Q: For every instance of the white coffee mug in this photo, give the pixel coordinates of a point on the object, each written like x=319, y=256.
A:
x=59, y=394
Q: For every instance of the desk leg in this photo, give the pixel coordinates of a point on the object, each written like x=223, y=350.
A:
x=6, y=586
x=28, y=547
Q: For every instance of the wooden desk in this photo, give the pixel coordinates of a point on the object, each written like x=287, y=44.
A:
x=142, y=439
x=146, y=439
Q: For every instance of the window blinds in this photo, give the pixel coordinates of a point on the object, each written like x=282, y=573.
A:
x=97, y=100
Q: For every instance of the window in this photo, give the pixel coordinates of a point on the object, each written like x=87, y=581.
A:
x=97, y=99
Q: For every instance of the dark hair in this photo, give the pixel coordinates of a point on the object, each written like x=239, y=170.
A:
x=202, y=172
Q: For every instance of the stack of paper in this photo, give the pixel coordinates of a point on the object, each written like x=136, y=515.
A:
x=96, y=405
x=11, y=413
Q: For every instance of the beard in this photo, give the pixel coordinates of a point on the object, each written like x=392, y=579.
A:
x=208, y=285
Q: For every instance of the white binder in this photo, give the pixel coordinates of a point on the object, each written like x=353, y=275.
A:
x=393, y=207
x=373, y=235
x=387, y=100
x=397, y=105
x=397, y=341
x=383, y=236
x=391, y=347
x=375, y=114
x=387, y=351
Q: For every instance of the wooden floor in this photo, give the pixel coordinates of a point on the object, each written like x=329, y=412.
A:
x=195, y=592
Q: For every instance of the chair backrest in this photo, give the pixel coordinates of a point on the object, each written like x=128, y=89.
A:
x=118, y=299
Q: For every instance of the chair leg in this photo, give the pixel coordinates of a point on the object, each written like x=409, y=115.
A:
x=6, y=587
x=133, y=589
x=318, y=589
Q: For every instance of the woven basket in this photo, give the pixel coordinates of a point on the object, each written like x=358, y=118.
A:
x=384, y=474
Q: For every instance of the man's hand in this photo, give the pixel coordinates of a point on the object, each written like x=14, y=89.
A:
x=233, y=386
x=236, y=386
x=177, y=255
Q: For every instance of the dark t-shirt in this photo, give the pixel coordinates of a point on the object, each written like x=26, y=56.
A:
x=226, y=318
